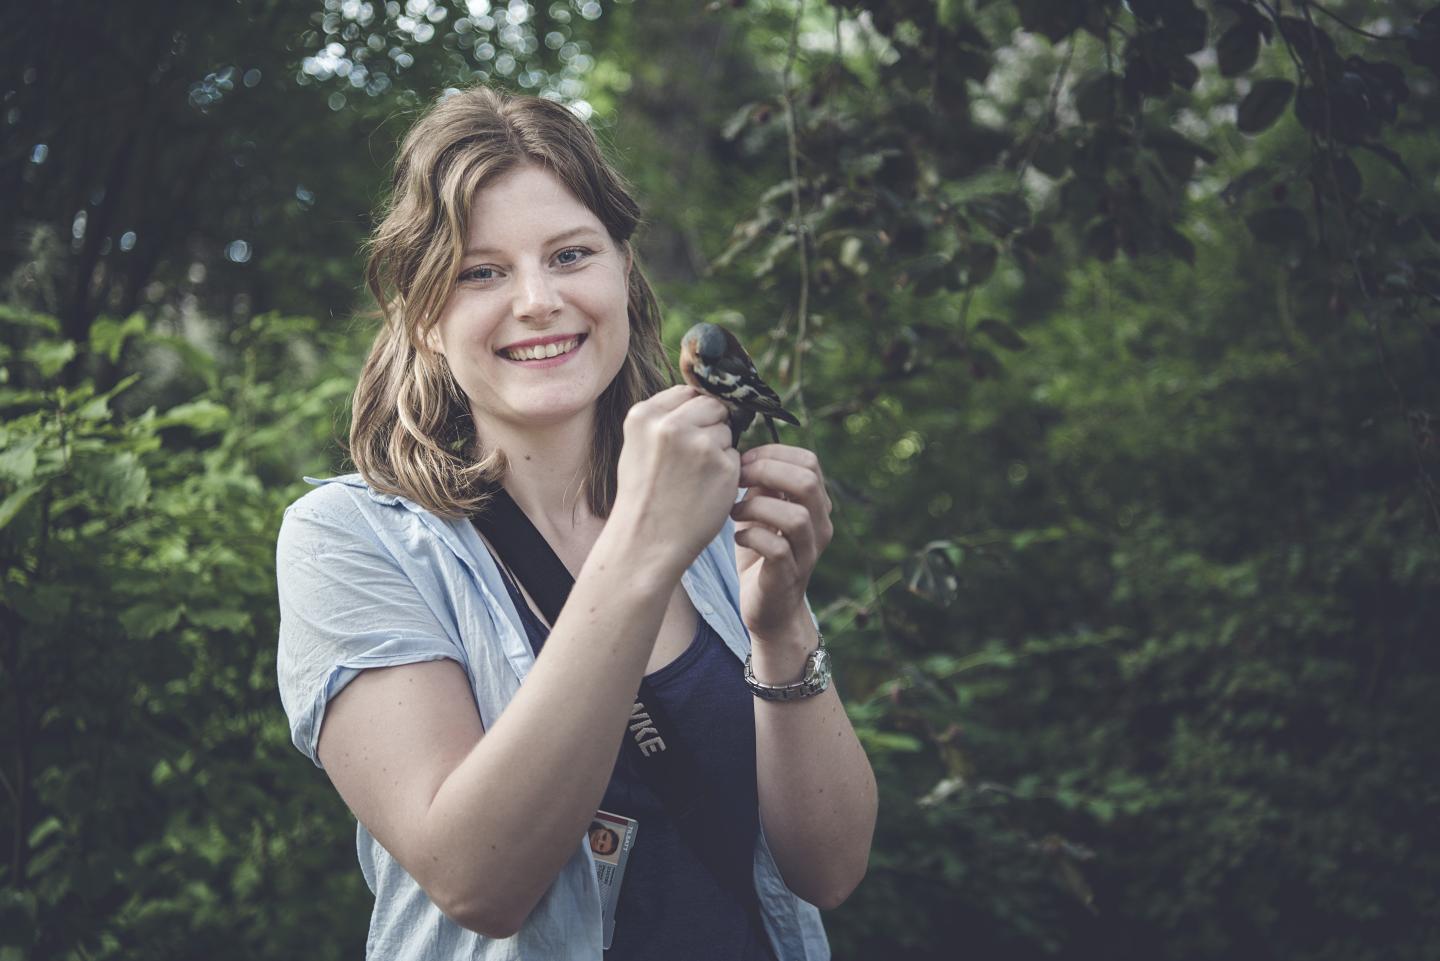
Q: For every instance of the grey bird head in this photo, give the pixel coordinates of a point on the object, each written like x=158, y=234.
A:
x=709, y=343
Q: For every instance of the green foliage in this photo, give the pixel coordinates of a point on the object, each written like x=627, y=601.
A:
x=149, y=761
x=1112, y=606
x=1114, y=324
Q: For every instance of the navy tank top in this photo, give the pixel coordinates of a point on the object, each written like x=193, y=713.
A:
x=689, y=890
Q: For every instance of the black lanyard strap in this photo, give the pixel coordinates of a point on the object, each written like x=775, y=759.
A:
x=651, y=739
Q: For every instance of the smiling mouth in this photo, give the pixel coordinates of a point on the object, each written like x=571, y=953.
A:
x=542, y=351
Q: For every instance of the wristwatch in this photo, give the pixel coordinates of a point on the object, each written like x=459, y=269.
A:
x=815, y=680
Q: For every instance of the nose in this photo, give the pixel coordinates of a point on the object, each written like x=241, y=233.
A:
x=537, y=297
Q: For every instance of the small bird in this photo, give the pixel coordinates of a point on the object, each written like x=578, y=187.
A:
x=712, y=359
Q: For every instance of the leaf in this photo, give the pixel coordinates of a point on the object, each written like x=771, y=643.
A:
x=119, y=481
x=976, y=263
x=1312, y=45
x=219, y=619
x=43, y=830
x=776, y=191
x=867, y=164
x=18, y=460
x=204, y=416
x=13, y=504
x=1002, y=333
x=96, y=408
x=1390, y=157
x=1054, y=19
x=1166, y=138
x=1236, y=189
x=1178, y=153
x=1280, y=226
x=29, y=318
x=1187, y=26
x=1238, y=49
x=148, y=618
x=1264, y=104
x=192, y=358
x=883, y=741
x=928, y=273
x=984, y=364
x=1001, y=214
x=737, y=122
x=50, y=356
x=1052, y=156
x=1310, y=109
x=108, y=336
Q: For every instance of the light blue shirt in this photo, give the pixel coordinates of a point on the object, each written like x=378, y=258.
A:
x=374, y=580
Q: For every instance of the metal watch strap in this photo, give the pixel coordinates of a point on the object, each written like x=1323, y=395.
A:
x=815, y=680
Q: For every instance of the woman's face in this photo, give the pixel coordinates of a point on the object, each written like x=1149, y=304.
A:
x=536, y=326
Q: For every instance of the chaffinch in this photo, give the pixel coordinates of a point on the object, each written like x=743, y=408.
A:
x=712, y=359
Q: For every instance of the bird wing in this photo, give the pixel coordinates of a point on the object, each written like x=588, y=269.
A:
x=750, y=390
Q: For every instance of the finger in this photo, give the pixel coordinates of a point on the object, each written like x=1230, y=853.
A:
x=791, y=520
x=796, y=482
x=717, y=435
x=701, y=410
x=768, y=544
x=799, y=456
x=670, y=398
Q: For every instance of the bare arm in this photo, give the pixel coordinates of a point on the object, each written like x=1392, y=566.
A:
x=484, y=821
x=817, y=791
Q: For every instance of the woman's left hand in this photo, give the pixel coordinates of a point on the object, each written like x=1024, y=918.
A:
x=782, y=526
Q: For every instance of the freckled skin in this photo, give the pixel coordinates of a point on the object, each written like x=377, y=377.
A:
x=515, y=284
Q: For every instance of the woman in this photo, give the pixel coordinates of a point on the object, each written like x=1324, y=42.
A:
x=520, y=357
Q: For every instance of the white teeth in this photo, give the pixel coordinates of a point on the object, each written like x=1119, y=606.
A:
x=544, y=351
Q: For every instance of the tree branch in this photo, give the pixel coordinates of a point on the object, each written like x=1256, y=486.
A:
x=1344, y=23
x=796, y=213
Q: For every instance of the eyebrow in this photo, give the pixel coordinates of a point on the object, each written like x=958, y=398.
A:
x=563, y=235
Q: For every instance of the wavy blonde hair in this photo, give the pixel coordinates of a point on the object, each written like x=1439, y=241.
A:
x=411, y=429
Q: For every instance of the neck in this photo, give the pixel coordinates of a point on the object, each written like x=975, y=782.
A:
x=546, y=472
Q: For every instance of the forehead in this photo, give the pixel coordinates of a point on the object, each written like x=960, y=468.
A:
x=525, y=206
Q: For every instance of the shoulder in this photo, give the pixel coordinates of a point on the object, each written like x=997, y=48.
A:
x=342, y=510
x=342, y=492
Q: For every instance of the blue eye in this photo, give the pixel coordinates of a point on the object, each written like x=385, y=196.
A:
x=579, y=252
x=478, y=273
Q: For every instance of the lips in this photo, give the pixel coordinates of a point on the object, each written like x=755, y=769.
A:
x=542, y=348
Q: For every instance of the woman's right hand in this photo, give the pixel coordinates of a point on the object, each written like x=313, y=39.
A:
x=678, y=474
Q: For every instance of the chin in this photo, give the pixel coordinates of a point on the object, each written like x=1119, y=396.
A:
x=550, y=414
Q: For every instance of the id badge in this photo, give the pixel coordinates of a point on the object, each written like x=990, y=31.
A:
x=611, y=839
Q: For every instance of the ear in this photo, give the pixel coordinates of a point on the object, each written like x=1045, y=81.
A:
x=629, y=260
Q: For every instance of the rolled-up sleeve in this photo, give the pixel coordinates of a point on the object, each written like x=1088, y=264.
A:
x=345, y=605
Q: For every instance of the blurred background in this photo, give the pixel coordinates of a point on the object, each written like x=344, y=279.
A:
x=1115, y=324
